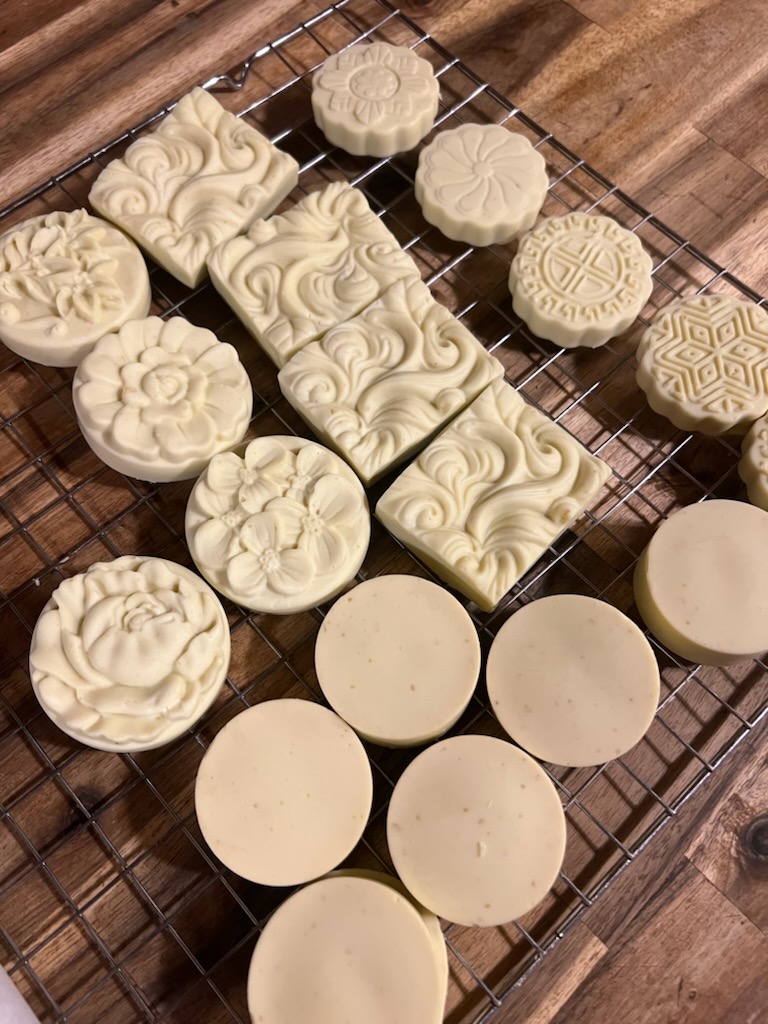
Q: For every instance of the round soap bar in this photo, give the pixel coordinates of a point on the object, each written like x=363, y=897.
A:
x=398, y=658
x=345, y=949
x=476, y=830
x=481, y=183
x=156, y=400
x=701, y=585
x=572, y=680
x=129, y=654
x=753, y=465
x=580, y=279
x=278, y=527
x=703, y=363
x=375, y=99
x=67, y=279
x=284, y=792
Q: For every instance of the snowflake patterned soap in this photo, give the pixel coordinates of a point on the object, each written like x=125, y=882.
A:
x=66, y=279
x=490, y=494
x=201, y=177
x=375, y=99
x=296, y=275
x=580, y=279
x=378, y=386
x=703, y=363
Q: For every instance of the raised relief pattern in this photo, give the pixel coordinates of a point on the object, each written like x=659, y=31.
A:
x=753, y=465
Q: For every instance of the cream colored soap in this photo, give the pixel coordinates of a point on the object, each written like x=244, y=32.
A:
x=481, y=183
x=296, y=275
x=398, y=658
x=703, y=363
x=284, y=792
x=198, y=179
x=489, y=495
x=158, y=399
x=476, y=830
x=753, y=465
x=279, y=526
x=572, y=680
x=345, y=950
x=129, y=654
x=66, y=279
x=580, y=279
x=378, y=386
x=375, y=99
x=701, y=585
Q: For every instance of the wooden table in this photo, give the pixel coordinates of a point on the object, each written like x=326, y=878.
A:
x=670, y=99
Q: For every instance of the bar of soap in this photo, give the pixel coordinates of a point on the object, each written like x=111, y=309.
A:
x=398, y=658
x=701, y=585
x=129, y=654
x=294, y=276
x=67, y=279
x=280, y=526
x=703, y=363
x=753, y=465
x=481, y=183
x=378, y=386
x=284, y=792
x=199, y=178
x=476, y=830
x=489, y=495
x=572, y=680
x=580, y=279
x=156, y=400
x=345, y=949
x=375, y=99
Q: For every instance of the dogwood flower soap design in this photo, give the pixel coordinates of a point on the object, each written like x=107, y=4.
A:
x=67, y=279
x=129, y=654
x=375, y=99
x=158, y=399
x=281, y=527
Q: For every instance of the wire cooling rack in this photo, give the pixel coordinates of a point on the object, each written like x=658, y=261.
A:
x=111, y=906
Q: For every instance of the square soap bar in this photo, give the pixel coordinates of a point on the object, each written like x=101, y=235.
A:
x=200, y=178
x=377, y=387
x=296, y=275
x=490, y=494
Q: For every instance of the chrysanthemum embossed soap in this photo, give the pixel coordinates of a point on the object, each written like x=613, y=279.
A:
x=201, y=177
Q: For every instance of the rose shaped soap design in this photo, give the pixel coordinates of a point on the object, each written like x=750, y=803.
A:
x=129, y=654
x=158, y=399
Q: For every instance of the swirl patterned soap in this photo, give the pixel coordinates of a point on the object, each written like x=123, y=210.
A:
x=129, y=654
x=378, y=386
x=489, y=495
x=200, y=177
x=301, y=272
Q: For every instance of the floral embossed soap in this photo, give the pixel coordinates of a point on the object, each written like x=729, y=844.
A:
x=489, y=495
x=378, y=386
x=199, y=178
x=296, y=275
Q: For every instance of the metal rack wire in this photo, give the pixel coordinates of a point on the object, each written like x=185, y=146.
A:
x=111, y=906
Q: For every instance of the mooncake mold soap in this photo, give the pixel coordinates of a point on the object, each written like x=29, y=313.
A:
x=703, y=363
x=156, y=400
x=199, y=178
x=398, y=658
x=489, y=495
x=375, y=99
x=129, y=654
x=67, y=279
x=481, y=183
x=280, y=526
x=294, y=276
x=476, y=830
x=378, y=386
x=753, y=465
x=284, y=792
x=580, y=279
x=572, y=680
x=346, y=949
x=701, y=585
